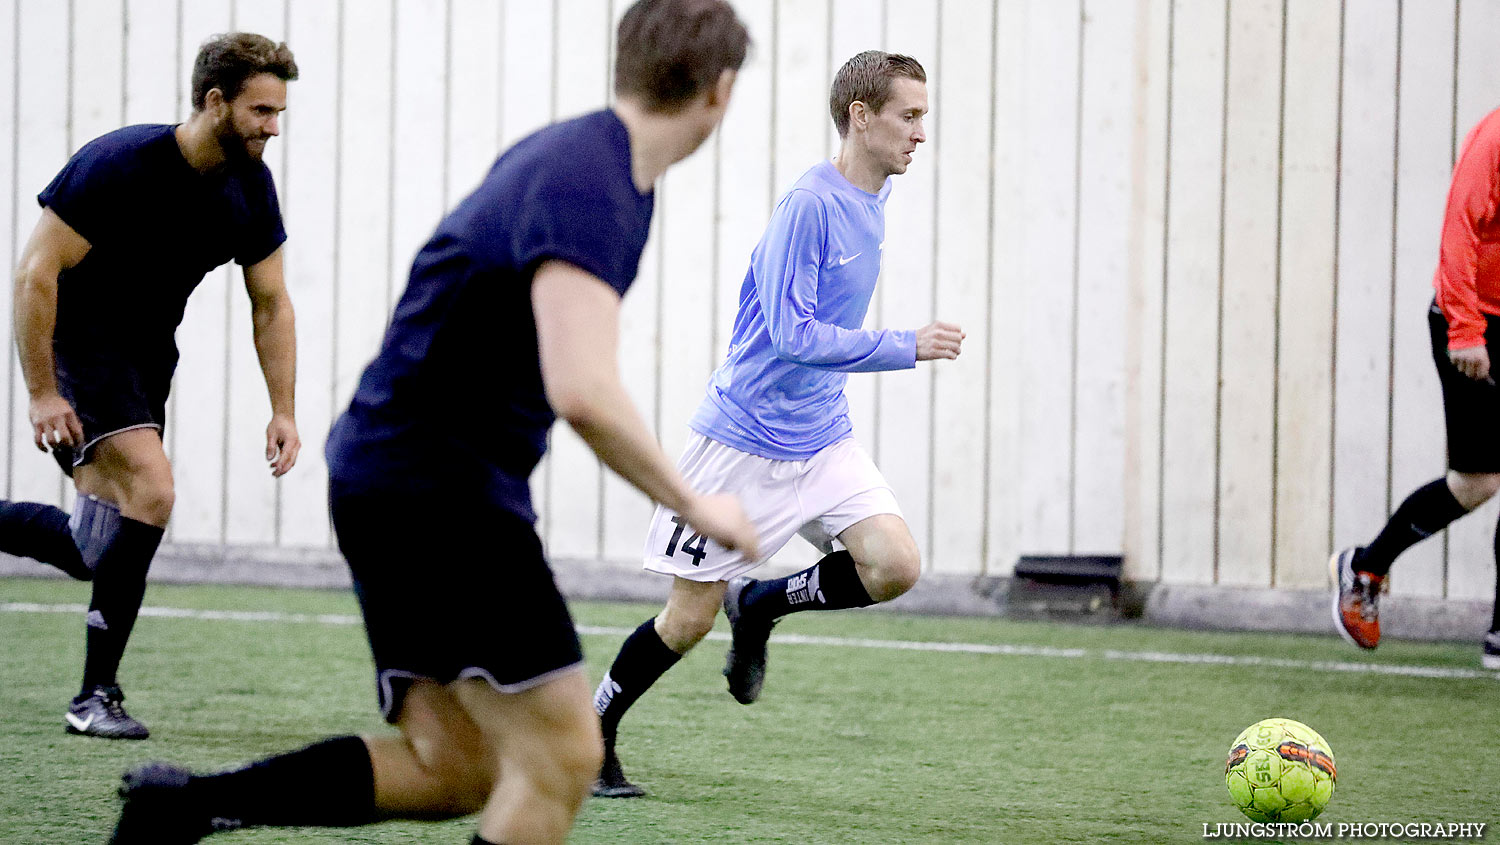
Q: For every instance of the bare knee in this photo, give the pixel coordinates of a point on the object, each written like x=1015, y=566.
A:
x=150, y=498
x=1473, y=489
x=440, y=765
x=886, y=554
x=690, y=612
x=131, y=470
x=682, y=628
x=893, y=573
x=463, y=770
x=142, y=490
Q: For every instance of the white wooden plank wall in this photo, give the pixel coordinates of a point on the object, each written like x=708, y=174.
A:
x=1362, y=352
x=1195, y=161
x=1145, y=334
x=962, y=265
x=1191, y=242
x=1305, y=284
x=1102, y=255
x=998, y=343
x=1252, y=152
x=1424, y=162
x=1046, y=289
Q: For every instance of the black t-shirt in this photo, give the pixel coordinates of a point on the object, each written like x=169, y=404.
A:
x=155, y=227
x=454, y=399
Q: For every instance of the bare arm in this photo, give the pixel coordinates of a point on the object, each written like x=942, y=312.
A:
x=578, y=328
x=54, y=246
x=276, y=346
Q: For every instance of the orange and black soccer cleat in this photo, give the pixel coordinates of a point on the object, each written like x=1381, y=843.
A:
x=1356, y=600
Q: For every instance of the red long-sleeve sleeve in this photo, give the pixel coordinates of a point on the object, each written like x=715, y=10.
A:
x=1468, y=272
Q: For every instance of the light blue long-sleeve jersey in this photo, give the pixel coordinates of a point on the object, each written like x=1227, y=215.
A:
x=780, y=391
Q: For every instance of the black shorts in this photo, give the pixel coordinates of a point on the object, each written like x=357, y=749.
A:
x=1470, y=408
x=110, y=395
x=451, y=588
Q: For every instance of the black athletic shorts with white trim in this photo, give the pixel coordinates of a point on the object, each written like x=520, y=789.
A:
x=451, y=587
x=1471, y=408
x=110, y=393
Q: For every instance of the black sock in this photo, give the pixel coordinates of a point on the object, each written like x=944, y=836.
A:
x=642, y=659
x=40, y=532
x=830, y=584
x=1495, y=620
x=1425, y=512
x=327, y=784
x=119, y=587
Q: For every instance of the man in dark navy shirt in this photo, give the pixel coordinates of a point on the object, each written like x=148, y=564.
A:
x=128, y=228
x=510, y=319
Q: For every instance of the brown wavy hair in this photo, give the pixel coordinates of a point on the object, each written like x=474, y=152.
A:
x=226, y=61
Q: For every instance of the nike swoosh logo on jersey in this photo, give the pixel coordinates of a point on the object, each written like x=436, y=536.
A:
x=843, y=261
x=80, y=724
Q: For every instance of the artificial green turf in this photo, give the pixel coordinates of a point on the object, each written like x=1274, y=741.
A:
x=848, y=745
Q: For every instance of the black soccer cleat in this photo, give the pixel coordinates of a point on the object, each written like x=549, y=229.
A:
x=157, y=809
x=611, y=782
x=1490, y=658
x=102, y=714
x=745, y=664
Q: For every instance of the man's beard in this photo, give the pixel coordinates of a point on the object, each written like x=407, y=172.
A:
x=236, y=146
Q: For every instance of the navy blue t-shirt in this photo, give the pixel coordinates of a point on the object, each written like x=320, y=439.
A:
x=454, y=399
x=156, y=227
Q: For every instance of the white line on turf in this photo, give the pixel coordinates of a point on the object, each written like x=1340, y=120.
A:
x=1404, y=670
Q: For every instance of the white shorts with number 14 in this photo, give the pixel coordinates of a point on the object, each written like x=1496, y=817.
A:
x=818, y=498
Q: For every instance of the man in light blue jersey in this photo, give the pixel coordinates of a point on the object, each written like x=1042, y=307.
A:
x=774, y=428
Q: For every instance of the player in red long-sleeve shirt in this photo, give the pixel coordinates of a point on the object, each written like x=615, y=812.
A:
x=1465, y=324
